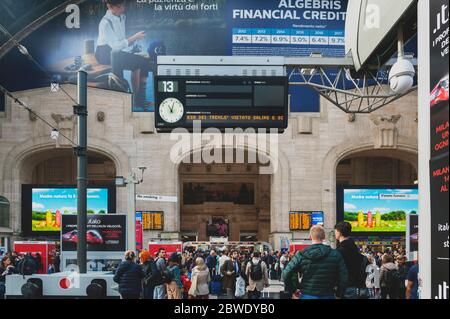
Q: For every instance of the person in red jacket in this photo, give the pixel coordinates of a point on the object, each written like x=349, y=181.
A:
x=186, y=283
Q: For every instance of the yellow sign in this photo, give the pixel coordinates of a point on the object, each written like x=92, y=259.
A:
x=300, y=221
x=153, y=220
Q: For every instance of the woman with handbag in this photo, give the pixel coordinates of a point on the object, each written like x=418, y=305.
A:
x=200, y=280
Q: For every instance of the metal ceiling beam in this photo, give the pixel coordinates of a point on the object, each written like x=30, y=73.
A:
x=36, y=24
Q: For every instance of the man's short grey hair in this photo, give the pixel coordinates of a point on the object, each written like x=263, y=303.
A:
x=317, y=233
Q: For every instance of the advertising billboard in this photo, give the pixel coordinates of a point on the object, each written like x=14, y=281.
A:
x=119, y=51
x=44, y=205
x=439, y=165
x=412, y=235
x=104, y=233
x=381, y=210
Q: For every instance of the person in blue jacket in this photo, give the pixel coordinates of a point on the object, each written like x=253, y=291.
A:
x=129, y=276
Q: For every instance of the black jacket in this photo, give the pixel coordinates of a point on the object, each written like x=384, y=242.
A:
x=152, y=274
x=322, y=270
x=129, y=276
x=354, y=262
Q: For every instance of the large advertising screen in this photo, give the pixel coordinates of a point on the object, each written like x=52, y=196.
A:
x=381, y=210
x=44, y=206
x=439, y=135
x=49, y=204
x=104, y=233
x=118, y=49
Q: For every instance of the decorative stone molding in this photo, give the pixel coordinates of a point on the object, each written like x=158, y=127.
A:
x=385, y=132
x=351, y=117
x=305, y=125
x=101, y=116
x=66, y=125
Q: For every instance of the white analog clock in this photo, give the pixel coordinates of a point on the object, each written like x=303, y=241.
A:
x=171, y=110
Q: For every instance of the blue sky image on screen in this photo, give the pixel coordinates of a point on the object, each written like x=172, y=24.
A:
x=388, y=209
x=65, y=199
x=48, y=204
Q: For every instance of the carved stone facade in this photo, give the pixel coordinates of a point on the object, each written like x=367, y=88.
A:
x=308, y=154
x=385, y=131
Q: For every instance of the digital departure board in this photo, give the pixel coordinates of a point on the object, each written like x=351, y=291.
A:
x=152, y=220
x=305, y=220
x=221, y=102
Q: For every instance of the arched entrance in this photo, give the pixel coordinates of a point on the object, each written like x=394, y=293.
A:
x=224, y=200
x=392, y=169
x=60, y=168
x=376, y=168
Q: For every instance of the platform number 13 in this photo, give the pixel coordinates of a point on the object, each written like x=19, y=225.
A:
x=168, y=86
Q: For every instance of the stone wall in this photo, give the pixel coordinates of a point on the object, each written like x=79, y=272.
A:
x=309, y=151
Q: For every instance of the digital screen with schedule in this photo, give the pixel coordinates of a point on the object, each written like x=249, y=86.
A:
x=221, y=102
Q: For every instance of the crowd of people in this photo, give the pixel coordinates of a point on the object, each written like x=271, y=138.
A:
x=192, y=275
x=320, y=272
x=316, y=272
x=24, y=264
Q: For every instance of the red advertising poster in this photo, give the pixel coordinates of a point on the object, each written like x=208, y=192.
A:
x=46, y=250
x=170, y=247
x=139, y=232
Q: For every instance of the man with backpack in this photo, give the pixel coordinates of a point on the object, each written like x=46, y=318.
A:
x=322, y=270
x=160, y=290
x=355, y=262
x=389, y=278
x=152, y=276
x=257, y=273
x=28, y=265
x=211, y=262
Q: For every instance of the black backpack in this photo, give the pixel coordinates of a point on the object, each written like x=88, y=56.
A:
x=256, y=271
x=167, y=276
x=151, y=278
x=27, y=266
x=392, y=279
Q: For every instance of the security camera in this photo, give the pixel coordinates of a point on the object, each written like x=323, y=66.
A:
x=401, y=76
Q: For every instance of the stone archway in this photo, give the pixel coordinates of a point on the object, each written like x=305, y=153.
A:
x=406, y=150
x=18, y=168
x=280, y=188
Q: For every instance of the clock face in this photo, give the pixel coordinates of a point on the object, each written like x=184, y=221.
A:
x=171, y=110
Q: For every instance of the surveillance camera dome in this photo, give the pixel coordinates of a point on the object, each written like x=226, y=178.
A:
x=401, y=77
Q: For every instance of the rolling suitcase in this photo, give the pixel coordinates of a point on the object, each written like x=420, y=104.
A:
x=216, y=285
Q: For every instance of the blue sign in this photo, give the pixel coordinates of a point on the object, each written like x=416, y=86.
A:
x=317, y=218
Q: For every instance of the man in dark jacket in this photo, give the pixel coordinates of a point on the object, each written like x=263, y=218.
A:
x=230, y=270
x=356, y=263
x=211, y=262
x=129, y=276
x=322, y=270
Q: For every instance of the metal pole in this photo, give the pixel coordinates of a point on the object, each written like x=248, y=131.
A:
x=81, y=111
x=131, y=218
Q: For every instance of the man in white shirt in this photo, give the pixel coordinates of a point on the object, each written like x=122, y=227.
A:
x=113, y=47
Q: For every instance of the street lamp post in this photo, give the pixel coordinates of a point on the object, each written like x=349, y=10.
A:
x=80, y=151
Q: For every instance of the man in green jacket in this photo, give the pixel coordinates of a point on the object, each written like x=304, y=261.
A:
x=322, y=270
